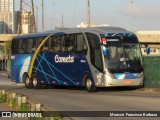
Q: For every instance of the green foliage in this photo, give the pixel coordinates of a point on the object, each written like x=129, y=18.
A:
x=3, y=98
x=12, y=102
x=24, y=107
x=7, y=47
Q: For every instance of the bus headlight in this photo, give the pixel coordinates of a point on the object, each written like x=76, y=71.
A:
x=110, y=75
x=140, y=74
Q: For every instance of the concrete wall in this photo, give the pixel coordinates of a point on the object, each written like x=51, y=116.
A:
x=6, y=37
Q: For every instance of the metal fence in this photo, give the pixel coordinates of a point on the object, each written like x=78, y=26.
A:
x=152, y=71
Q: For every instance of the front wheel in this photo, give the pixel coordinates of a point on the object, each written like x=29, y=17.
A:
x=89, y=85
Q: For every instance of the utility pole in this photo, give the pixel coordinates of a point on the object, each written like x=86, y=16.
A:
x=89, y=13
x=132, y=15
x=20, y=19
x=62, y=20
x=62, y=15
x=74, y=13
x=43, y=15
x=37, y=16
x=33, y=18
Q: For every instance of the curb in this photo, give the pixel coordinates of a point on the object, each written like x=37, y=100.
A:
x=149, y=89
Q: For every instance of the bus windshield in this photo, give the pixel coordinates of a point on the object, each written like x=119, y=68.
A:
x=123, y=56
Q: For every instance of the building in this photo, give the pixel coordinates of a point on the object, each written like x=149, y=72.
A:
x=26, y=21
x=3, y=39
x=84, y=25
x=7, y=17
x=152, y=39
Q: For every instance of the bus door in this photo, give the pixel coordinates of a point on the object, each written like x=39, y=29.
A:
x=81, y=63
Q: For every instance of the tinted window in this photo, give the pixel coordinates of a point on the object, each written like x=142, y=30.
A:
x=81, y=43
x=95, y=50
x=73, y=43
x=33, y=45
x=55, y=45
x=14, y=46
x=58, y=43
x=25, y=46
x=68, y=43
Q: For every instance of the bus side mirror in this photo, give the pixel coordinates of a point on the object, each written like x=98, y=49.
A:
x=105, y=51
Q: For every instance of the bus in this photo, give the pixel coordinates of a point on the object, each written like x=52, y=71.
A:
x=90, y=57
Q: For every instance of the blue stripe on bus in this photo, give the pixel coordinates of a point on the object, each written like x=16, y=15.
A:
x=51, y=65
x=48, y=74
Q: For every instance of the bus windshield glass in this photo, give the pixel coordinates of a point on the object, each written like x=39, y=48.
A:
x=123, y=55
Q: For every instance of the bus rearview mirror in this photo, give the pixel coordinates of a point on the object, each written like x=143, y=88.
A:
x=105, y=51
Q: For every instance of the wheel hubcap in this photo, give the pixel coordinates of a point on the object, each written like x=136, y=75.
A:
x=35, y=82
x=88, y=84
x=27, y=81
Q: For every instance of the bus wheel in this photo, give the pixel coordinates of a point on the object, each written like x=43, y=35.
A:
x=27, y=81
x=89, y=85
x=35, y=81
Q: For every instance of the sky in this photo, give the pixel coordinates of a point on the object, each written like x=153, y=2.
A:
x=134, y=16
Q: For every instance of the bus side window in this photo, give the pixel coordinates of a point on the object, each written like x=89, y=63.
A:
x=34, y=45
x=68, y=43
x=55, y=44
x=81, y=45
x=39, y=41
x=63, y=44
x=95, y=50
x=14, y=48
x=22, y=46
x=45, y=47
x=71, y=43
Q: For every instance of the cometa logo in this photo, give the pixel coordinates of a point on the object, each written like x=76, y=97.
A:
x=68, y=59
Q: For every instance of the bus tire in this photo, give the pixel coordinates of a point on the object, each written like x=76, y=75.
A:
x=35, y=82
x=89, y=85
x=27, y=81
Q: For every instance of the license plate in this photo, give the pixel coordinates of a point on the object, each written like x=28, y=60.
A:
x=126, y=82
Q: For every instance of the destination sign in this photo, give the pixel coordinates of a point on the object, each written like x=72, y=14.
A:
x=113, y=40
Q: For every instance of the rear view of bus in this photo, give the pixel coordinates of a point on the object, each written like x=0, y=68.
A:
x=122, y=59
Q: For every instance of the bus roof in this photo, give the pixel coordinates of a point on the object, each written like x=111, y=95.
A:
x=98, y=30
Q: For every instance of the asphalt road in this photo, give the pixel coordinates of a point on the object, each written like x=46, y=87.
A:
x=77, y=99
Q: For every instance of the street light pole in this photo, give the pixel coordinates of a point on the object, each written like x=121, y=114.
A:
x=51, y=22
x=53, y=17
x=132, y=15
x=43, y=15
x=88, y=13
x=37, y=16
x=62, y=20
x=74, y=13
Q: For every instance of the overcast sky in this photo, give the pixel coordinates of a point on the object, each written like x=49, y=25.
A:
x=146, y=13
